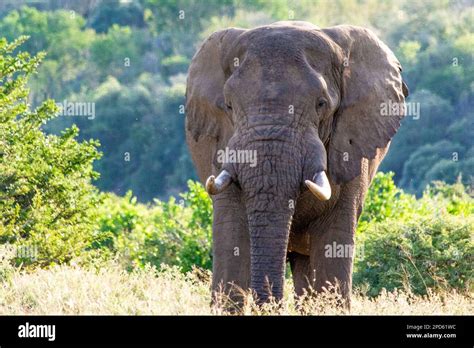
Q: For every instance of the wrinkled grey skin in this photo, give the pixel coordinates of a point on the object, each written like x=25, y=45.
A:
x=242, y=88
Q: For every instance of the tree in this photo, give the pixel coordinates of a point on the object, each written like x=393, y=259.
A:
x=177, y=23
x=117, y=53
x=46, y=196
x=142, y=137
x=417, y=131
x=66, y=42
x=438, y=161
x=112, y=12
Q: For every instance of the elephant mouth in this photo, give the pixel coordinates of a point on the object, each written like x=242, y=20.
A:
x=258, y=135
x=319, y=186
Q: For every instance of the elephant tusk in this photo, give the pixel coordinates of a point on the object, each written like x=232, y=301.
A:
x=320, y=186
x=217, y=185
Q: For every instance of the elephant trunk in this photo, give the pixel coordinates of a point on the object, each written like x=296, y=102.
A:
x=270, y=189
x=268, y=246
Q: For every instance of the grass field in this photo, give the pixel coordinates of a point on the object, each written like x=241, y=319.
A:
x=110, y=290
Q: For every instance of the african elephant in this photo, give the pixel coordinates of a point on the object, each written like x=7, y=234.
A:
x=306, y=102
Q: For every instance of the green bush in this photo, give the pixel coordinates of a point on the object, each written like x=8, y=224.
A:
x=385, y=200
x=173, y=232
x=420, y=244
x=46, y=197
x=427, y=252
x=454, y=198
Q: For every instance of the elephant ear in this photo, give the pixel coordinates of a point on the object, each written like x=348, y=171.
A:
x=371, y=84
x=205, y=107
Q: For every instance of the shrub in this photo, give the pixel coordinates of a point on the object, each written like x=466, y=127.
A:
x=173, y=232
x=46, y=197
x=197, y=245
x=419, y=244
x=455, y=198
x=433, y=252
x=385, y=200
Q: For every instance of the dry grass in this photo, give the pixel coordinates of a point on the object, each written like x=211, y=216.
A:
x=110, y=290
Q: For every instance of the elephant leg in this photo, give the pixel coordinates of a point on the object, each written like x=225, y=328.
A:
x=231, y=246
x=301, y=272
x=332, y=254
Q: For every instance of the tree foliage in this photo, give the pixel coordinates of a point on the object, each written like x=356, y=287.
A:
x=46, y=195
x=92, y=43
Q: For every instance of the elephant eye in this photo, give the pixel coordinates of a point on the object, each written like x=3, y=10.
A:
x=322, y=103
x=228, y=103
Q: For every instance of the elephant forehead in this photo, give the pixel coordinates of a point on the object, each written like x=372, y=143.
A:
x=283, y=59
x=273, y=49
x=284, y=42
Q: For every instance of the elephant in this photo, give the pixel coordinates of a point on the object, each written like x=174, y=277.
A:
x=306, y=102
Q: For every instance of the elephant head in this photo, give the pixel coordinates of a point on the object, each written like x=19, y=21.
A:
x=306, y=102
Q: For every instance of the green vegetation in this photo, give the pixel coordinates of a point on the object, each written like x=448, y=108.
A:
x=424, y=253
x=46, y=197
x=416, y=244
x=129, y=58
x=174, y=232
